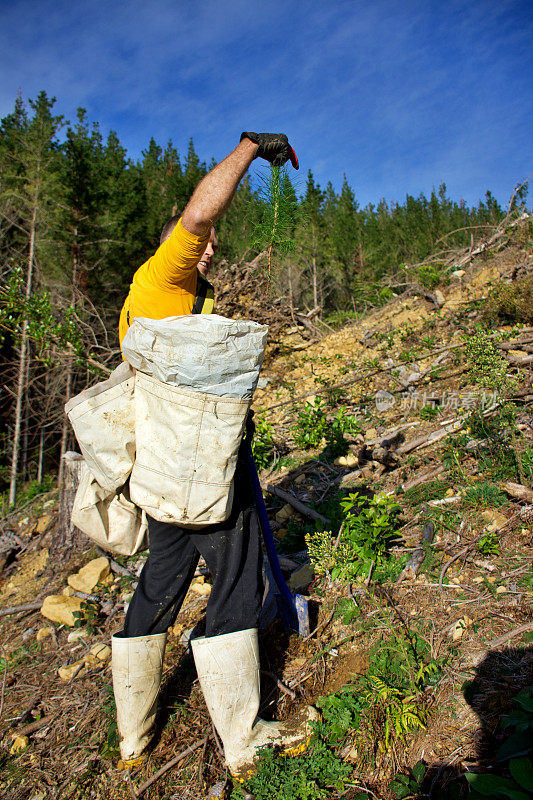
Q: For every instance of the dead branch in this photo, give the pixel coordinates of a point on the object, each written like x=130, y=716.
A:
x=27, y=730
x=295, y=503
x=4, y=679
x=115, y=566
x=5, y=612
x=172, y=763
x=428, y=475
x=281, y=686
x=528, y=626
x=448, y=564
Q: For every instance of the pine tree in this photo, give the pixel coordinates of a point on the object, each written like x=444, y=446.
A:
x=29, y=190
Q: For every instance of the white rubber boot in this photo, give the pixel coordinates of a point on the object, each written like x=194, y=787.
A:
x=228, y=671
x=137, y=663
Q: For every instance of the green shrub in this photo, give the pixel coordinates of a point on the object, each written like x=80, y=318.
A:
x=429, y=276
x=313, y=427
x=314, y=775
x=510, y=302
x=487, y=368
x=484, y=494
x=368, y=528
x=311, y=424
x=263, y=446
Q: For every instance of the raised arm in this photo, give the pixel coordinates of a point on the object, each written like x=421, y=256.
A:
x=215, y=192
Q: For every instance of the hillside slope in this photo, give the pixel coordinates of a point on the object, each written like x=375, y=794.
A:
x=420, y=598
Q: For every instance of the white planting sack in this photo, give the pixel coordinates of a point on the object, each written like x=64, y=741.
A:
x=187, y=445
x=108, y=517
x=103, y=418
x=203, y=352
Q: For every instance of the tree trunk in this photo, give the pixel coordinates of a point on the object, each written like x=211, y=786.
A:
x=21, y=381
x=41, y=457
x=70, y=366
x=315, y=284
x=67, y=536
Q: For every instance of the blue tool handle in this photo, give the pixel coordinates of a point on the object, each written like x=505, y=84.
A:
x=267, y=532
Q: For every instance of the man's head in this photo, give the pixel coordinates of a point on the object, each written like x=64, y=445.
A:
x=206, y=261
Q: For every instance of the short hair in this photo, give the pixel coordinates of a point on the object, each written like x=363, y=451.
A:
x=169, y=226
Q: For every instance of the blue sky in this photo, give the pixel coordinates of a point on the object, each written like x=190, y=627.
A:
x=399, y=95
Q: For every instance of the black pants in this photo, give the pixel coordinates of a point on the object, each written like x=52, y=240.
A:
x=232, y=552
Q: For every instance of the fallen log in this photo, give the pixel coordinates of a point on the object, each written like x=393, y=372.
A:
x=517, y=491
x=415, y=562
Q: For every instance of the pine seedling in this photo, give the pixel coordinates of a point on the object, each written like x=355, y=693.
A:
x=275, y=231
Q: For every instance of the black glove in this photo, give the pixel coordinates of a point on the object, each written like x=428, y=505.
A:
x=273, y=147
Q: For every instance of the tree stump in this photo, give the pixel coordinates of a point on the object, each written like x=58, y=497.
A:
x=67, y=536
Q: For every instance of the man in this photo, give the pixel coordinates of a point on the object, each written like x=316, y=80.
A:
x=172, y=282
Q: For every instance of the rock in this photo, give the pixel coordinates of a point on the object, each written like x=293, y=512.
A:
x=501, y=590
x=58, y=608
x=201, y=588
x=300, y=478
x=43, y=522
x=347, y=461
x=19, y=743
x=495, y=519
x=71, y=670
x=100, y=651
x=284, y=513
x=27, y=634
x=458, y=629
x=301, y=578
x=439, y=297
x=458, y=273
x=43, y=633
x=75, y=636
x=90, y=575
x=370, y=434
x=97, y=654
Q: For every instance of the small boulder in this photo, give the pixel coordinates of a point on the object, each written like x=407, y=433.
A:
x=457, y=630
x=90, y=575
x=439, y=297
x=42, y=523
x=350, y=460
x=100, y=651
x=301, y=578
x=43, y=633
x=58, y=608
x=284, y=513
x=201, y=588
x=19, y=743
x=71, y=670
x=75, y=636
x=458, y=273
x=495, y=519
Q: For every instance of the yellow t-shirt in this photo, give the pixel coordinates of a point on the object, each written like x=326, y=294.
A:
x=169, y=284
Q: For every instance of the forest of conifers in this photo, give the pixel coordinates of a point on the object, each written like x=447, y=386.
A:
x=78, y=216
